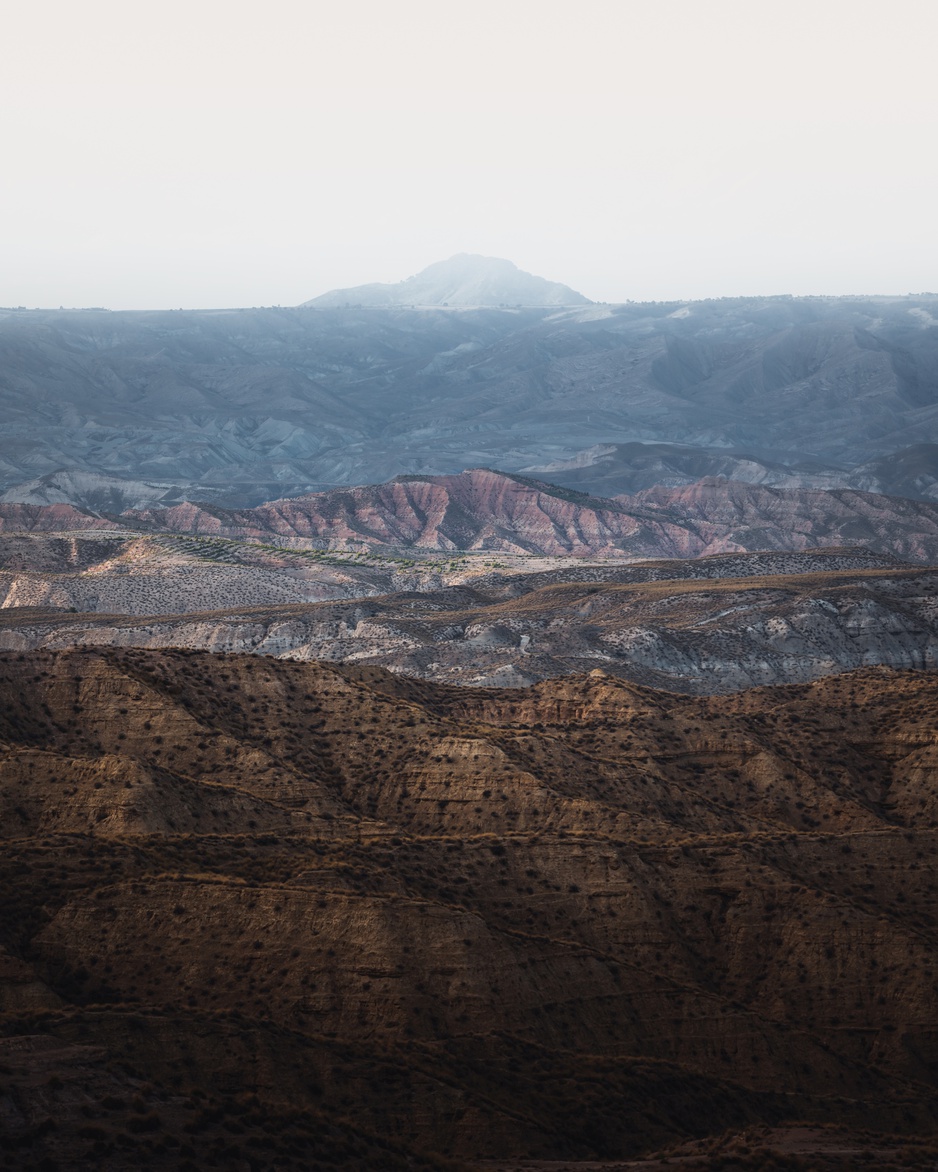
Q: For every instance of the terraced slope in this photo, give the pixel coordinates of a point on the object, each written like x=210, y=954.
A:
x=578, y=920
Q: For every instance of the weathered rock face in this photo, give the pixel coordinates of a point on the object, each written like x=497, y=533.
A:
x=481, y=509
x=455, y=913
x=478, y=509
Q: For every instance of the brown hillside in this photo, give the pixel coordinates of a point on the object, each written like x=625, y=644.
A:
x=575, y=921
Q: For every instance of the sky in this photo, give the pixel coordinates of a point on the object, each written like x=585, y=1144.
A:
x=204, y=153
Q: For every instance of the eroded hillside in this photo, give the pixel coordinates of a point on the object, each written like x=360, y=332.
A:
x=578, y=920
x=491, y=512
x=704, y=625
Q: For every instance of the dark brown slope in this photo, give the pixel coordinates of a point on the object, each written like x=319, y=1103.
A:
x=578, y=920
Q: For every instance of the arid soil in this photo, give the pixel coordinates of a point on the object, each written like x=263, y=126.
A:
x=257, y=907
x=117, y=573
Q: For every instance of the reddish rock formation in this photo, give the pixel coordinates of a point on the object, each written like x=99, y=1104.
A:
x=478, y=509
x=15, y=518
x=485, y=510
x=755, y=516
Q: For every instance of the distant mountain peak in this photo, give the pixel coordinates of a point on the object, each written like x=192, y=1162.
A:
x=464, y=280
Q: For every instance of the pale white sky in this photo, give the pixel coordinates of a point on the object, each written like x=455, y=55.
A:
x=217, y=152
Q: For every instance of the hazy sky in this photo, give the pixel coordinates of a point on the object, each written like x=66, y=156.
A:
x=217, y=152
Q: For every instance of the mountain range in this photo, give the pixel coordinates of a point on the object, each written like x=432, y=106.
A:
x=242, y=406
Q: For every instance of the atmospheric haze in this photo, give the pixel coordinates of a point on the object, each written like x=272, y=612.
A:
x=212, y=154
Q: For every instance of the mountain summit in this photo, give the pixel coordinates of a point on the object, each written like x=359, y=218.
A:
x=464, y=280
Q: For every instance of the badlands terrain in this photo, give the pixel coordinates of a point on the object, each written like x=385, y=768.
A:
x=708, y=625
x=384, y=918
x=494, y=579
x=364, y=806
x=496, y=512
